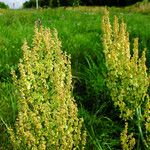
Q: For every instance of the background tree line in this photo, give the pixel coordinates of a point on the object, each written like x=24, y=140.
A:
x=3, y=5
x=57, y=3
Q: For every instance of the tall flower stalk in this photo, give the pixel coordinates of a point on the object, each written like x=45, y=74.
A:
x=128, y=82
x=47, y=113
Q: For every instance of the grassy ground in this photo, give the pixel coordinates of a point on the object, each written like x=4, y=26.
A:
x=80, y=32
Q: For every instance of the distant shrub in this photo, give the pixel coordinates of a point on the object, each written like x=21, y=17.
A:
x=3, y=5
x=29, y=4
x=42, y=3
x=128, y=82
x=57, y=3
x=70, y=2
x=47, y=113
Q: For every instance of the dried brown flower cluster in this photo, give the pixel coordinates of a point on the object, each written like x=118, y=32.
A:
x=127, y=80
x=47, y=113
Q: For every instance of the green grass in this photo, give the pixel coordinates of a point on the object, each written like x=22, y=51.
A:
x=79, y=30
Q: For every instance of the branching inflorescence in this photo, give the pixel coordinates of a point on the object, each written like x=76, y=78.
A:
x=128, y=82
x=47, y=113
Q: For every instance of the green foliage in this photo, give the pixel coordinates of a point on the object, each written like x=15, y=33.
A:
x=29, y=4
x=128, y=82
x=108, y=2
x=57, y=3
x=3, y=5
x=92, y=80
x=52, y=3
x=7, y=105
x=101, y=130
x=70, y=2
x=80, y=33
x=42, y=3
x=47, y=114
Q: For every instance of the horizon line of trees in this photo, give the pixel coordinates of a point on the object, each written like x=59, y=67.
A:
x=57, y=3
x=3, y=5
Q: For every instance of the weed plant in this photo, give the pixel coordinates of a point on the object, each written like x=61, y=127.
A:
x=80, y=33
x=128, y=82
x=47, y=114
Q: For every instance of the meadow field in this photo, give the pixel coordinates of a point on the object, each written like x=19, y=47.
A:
x=80, y=31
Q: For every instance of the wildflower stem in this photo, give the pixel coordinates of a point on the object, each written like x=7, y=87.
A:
x=141, y=136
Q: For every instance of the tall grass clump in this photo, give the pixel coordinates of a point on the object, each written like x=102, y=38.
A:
x=128, y=82
x=47, y=113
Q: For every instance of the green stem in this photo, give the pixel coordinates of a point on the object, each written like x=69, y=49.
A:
x=138, y=113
